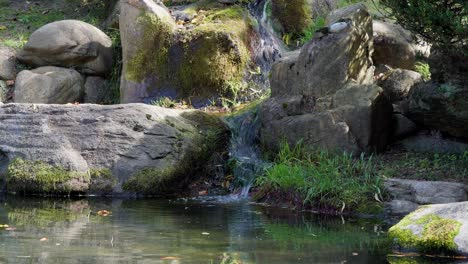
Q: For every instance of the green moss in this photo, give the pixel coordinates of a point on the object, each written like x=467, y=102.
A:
x=102, y=181
x=211, y=137
x=293, y=15
x=152, y=55
x=438, y=233
x=39, y=177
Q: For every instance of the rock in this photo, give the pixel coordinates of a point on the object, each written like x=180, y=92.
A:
x=3, y=91
x=7, y=63
x=95, y=90
x=398, y=83
x=293, y=16
x=393, y=46
x=205, y=59
x=49, y=85
x=321, y=8
x=401, y=207
x=403, y=126
x=147, y=149
x=433, y=142
x=440, y=106
x=449, y=68
x=112, y=20
x=324, y=94
x=426, y=192
x=434, y=229
x=69, y=43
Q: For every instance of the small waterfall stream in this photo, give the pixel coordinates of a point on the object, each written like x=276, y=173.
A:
x=244, y=153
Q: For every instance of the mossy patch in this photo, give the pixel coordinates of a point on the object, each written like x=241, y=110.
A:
x=437, y=233
x=293, y=15
x=41, y=177
x=211, y=59
x=102, y=181
x=211, y=137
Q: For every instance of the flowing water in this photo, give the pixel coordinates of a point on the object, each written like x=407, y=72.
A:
x=181, y=231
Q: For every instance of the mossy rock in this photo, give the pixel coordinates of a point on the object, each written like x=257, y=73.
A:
x=294, y=16
x=434, y=229
x=209, y=58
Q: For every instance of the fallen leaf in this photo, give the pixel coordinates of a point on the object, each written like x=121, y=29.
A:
x=10, y=229
x=205, y=233
x=355, y=254
x=43, y=239
x=2, y=27
x=104, y=213
x=3, y=226
x=170, y=258
x=204, y=192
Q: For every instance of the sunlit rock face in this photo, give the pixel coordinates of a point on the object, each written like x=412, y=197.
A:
x=50, y=149
x=324, y=94
x=199, y=52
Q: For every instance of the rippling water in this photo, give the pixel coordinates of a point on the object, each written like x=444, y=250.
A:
x=181, y=231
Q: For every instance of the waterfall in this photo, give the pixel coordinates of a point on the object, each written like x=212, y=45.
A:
x=244, y=153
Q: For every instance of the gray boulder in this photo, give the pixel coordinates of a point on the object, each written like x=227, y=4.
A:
x=403, y=125
x=426, y=192
x=95, y=90
x=398, y=83
x=94, y=148
x=324, y=95
x=7, y=63
x=434, y=229
x=69, y=43
x=393, y=46
x=440, y=106
x=49, y=85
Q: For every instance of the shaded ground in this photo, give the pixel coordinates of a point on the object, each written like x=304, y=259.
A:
x=19, y=18
x=398, y=163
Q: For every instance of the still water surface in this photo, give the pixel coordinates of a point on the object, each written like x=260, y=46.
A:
x=163, y=231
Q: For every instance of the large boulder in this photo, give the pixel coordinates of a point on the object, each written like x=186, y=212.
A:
x=96, y=90
x=69, y=43
x=94, y=148
x=434, y=229
x=398, y=83
x=440, y=106
x=393, y=46
x=7, y=63
x=204, y=57
x=324, y=94
x=49, y=85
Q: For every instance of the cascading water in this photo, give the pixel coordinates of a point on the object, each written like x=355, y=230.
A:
x=244, y=153
x=269, y=47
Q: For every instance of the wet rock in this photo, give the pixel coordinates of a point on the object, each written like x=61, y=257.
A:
x=434, y=229
x=69, y=43
x=398, y=83
x=393, y=46
x=64, y=148
x=401, y=207
x=7, y=63
x=324, y=94
x=49, y=85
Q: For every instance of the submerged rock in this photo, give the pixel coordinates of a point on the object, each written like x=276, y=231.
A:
x=49, y=85
x=206, y=57
x=324, y=95
x=69, y=43
x=94, y=149
x=439, y=228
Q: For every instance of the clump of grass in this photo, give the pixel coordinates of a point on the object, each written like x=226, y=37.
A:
x=324, y=180
x=309, y=32
x=164, y=102
x=113, y=83
x=424, y=69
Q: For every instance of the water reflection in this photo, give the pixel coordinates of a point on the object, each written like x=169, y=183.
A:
x=151, y=231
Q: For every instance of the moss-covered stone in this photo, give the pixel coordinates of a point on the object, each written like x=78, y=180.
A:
x=211, y=137
x=102, y=181
x=41, y=177
x=434, y=233
x=293, y=15
x=209, y=59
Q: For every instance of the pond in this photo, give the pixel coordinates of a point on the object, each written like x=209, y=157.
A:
x=180, y=231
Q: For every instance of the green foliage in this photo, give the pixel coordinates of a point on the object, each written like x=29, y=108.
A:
x=164, y=102
x=324, y=179
x=442, y=23
x=309, y=32
x=424, y=166
x=424, y=69
x=113, y=80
